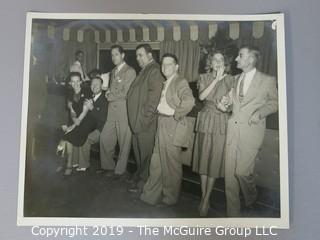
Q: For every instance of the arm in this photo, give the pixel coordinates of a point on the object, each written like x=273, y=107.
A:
x=72, y=112
x=204, y=94
x=155, y=83
x=187, y=101
x=85, y=109
x=220, y=75
x=121, y=92
x=271, y=105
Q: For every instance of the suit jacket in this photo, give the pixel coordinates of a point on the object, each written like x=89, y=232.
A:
x=179, y=97
x=99, y=111
x=262, y=98
x=143, y=98
x=120, y=83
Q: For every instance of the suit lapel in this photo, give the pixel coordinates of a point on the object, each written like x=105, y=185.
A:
x=252, y=88
x=123, y=69
x=235, y=87
x=171, y=87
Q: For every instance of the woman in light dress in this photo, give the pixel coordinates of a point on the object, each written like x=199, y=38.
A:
x=211, y=128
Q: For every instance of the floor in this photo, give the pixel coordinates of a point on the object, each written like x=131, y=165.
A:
x=49, y=193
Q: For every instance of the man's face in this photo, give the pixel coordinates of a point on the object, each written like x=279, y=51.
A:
x=80, y=57
x=75, y=82
x=143, y=57
x=96, y=86
x=169, y=67
x=117, y=57
x=243, y=59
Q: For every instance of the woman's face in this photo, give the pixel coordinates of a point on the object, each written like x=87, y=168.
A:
x=75, y=83
x=217, y=61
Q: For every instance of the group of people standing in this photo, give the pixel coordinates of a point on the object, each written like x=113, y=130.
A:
x=148, y=112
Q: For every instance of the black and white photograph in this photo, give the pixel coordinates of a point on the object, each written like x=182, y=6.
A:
x=154, y=119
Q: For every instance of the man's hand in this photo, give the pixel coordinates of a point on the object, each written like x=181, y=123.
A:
x=107, y=93
x=77, y=121
x=222, y=107
x=224, y=104
x=255, y=118
x=88, y=103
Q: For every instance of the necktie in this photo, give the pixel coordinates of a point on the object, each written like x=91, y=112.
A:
x=241, y=92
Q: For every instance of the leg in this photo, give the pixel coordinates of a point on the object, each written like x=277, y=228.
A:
x=146, y=144
x=124, y=139
x=170, y=161
x=152, y=190
x=84, y=151
x=204, y=179
x=137, y=156
x=70, y=157
x=108, y=141
x=245, y=175
x=206, y=200
x=232, y=187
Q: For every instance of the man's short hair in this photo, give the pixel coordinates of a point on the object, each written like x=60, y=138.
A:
x=174, y=57
x=97, y=77
x=117, y=46
x=94, y=73
x=145, y=46
x=254, y=51
x=78, y=52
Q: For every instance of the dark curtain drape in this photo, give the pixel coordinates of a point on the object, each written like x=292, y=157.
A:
x=267, y=45
x=188, y=53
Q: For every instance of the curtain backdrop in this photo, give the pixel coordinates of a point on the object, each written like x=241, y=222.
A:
x=188, y=53
x=57, y=54
x=267, y=45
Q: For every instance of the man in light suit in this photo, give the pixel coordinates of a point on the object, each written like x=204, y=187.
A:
x=116, y=128
x=176, y=102
x=253, y=97
x=142, y=101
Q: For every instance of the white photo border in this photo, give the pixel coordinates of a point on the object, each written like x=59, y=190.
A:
x=282, y=222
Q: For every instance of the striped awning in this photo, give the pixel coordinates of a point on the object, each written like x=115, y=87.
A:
x=117, y=31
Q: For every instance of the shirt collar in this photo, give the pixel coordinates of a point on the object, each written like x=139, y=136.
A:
x=170, y=78
x=120, y=66
x=251, y=73
x=96, y=96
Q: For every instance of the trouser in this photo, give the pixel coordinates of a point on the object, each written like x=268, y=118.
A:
x=239, y=175
x=115, y=131
x=165, y=177
x=81, y=155
x=143, y=144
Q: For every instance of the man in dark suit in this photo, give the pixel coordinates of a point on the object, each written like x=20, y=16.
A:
x=97, y=115
x=142, y=101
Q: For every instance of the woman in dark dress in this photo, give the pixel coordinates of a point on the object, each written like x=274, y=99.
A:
x=211, y=128
x=80, y=125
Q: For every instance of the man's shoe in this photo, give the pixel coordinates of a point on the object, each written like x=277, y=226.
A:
x=81, y=169
x=100, y=171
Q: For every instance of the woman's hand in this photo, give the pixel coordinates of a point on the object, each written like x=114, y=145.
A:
x=220, y=73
